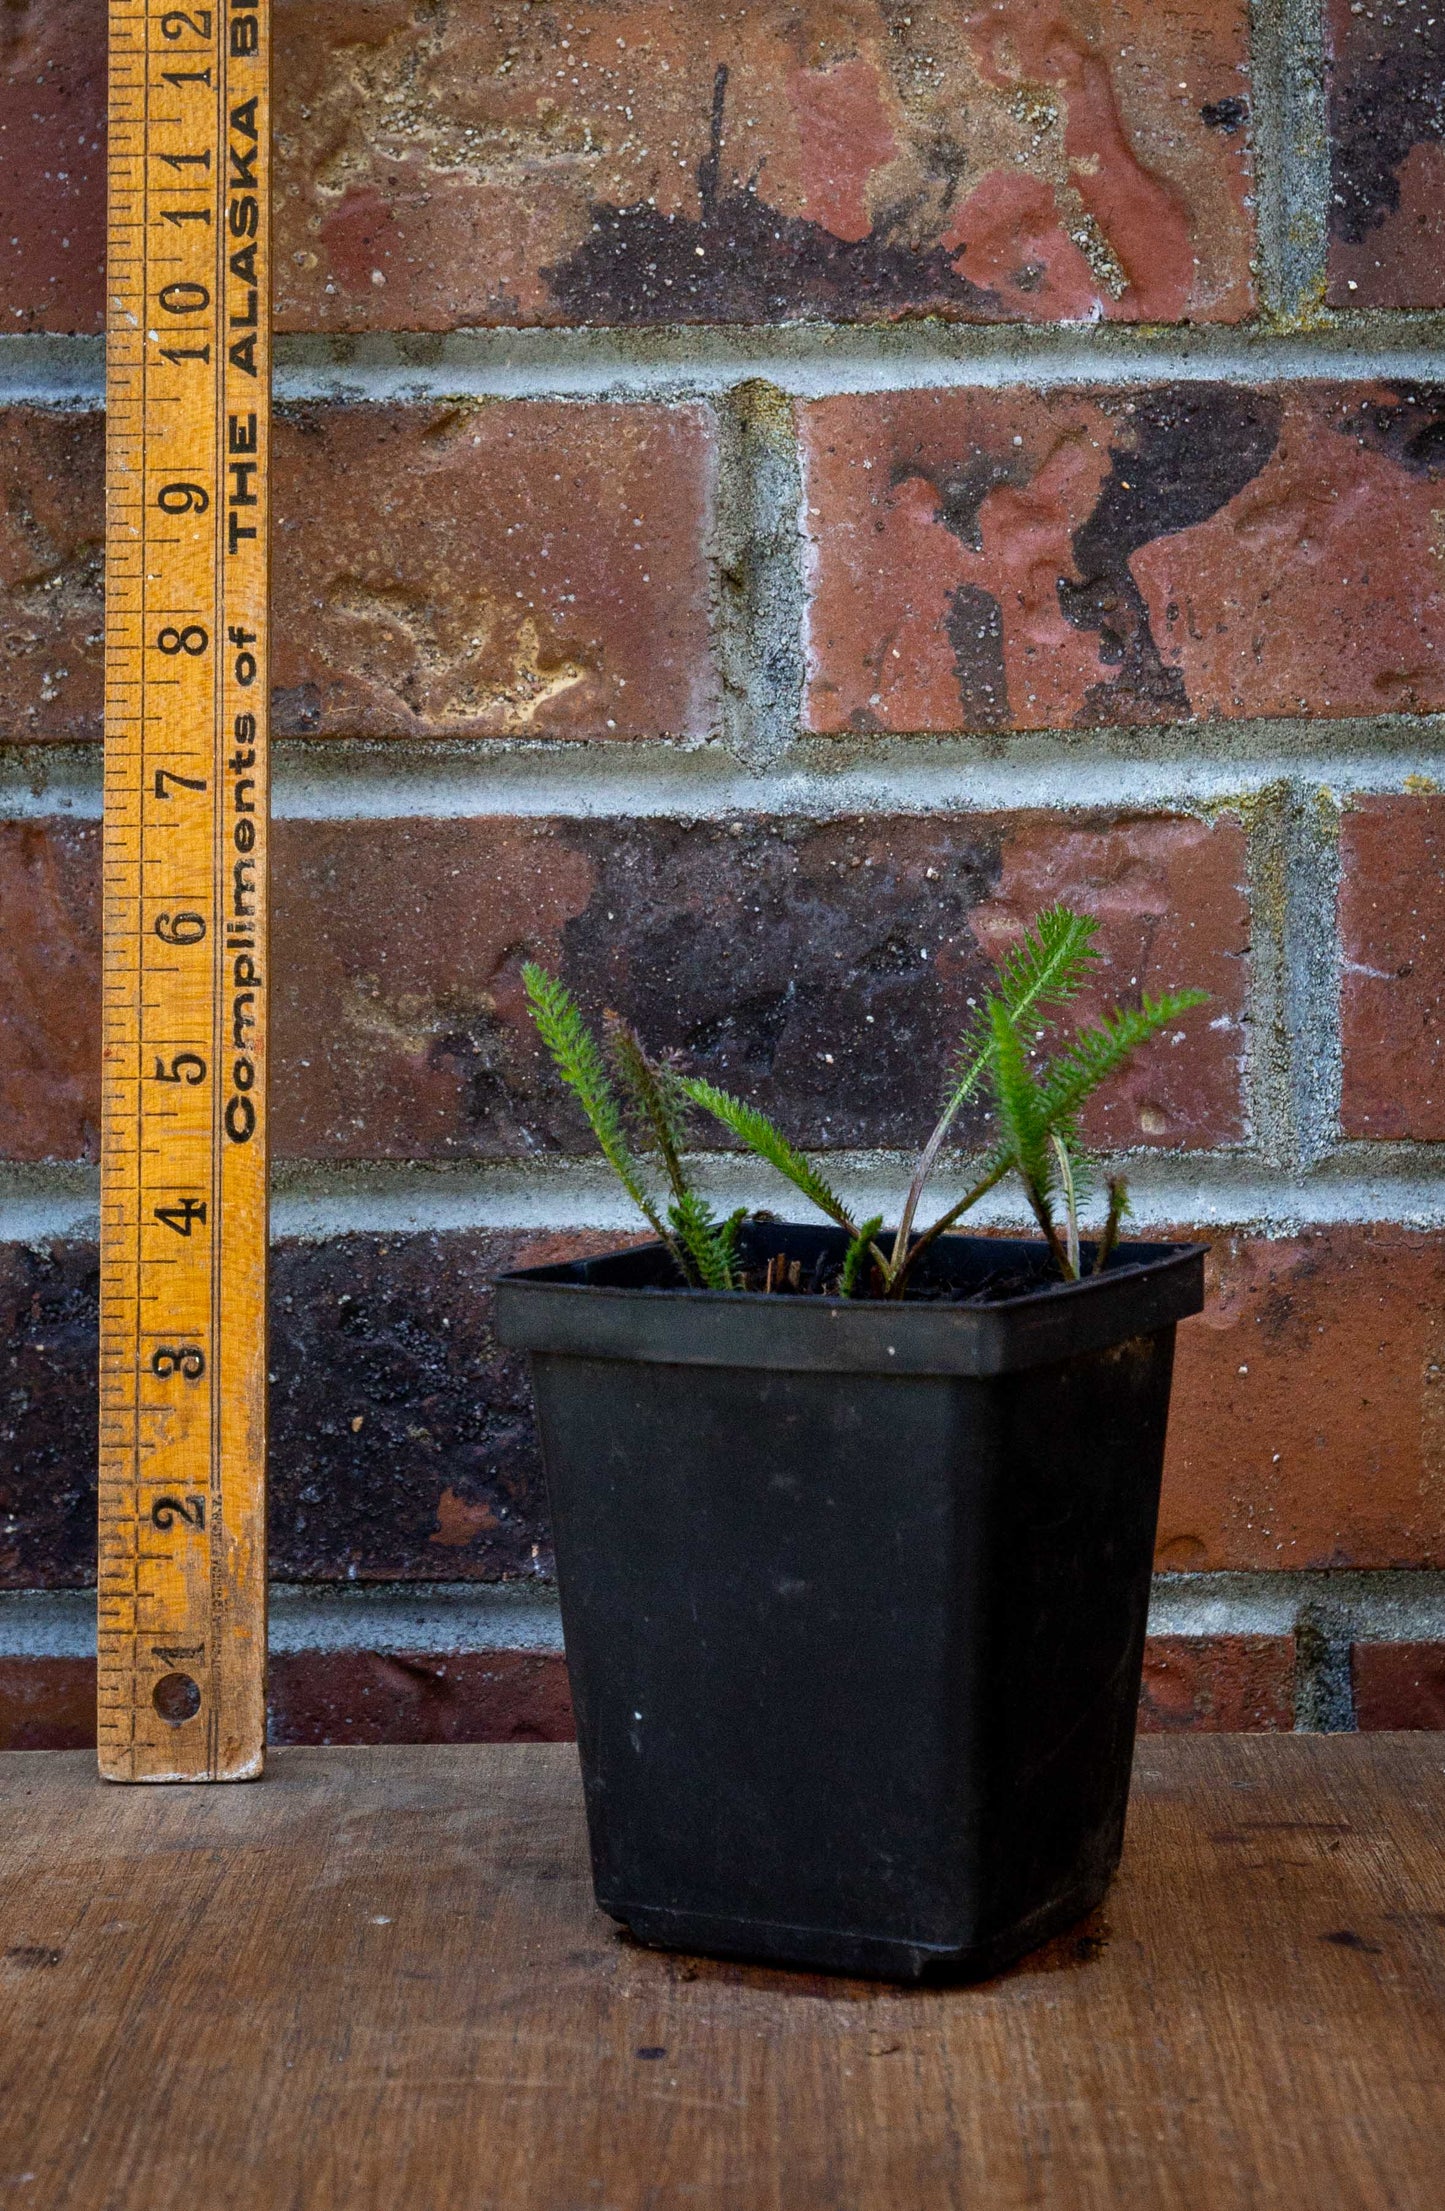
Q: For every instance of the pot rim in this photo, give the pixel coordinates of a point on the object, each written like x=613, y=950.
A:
x=560, y=1309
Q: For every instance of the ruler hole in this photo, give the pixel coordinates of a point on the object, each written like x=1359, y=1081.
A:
x=176, y=1698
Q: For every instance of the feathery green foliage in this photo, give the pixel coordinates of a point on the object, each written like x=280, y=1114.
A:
x=1043, y=972
x=702, y=1250
x=760, y=1136
x=659, y=1122
x=1036, y=1105
x=855, y=1259
x=578, y=1060
x=710, y=1244
x=1096, y=1054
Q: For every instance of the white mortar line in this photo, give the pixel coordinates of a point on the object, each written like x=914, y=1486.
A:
x=1291, y=152
x=807, y=360
x=917, y=776
x=1215, y=1191
x=44, y=1203
x=458, y=1617
x=1380, y=1607
x=314, y=1202
x=1199, y=766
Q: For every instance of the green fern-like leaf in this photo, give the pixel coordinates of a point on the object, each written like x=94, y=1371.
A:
x=729, y=1237
x=1098, y=1053
x=705, y=1240
x=1044, y=971
x=760, y=1136
x=658, y=1118
x=856, y=1258
x=1020, y=1103
x=578, y=1059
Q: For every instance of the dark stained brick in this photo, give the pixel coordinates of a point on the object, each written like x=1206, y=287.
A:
x=1308, y=1425
x=638, y=162
x=52, y=158
x=1387, y=154
x=1392, y=990
x=52, y=538
x=49, y=1322
x=1225, y=1684
x=1308, y=1420
x=501, y=570
x=989, y=560
x=49, y=989
x=1399, y=1684
x=402, y=1443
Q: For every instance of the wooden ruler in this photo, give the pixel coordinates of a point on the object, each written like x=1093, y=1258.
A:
x=182, y=1597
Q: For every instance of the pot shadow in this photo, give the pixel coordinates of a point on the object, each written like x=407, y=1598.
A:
x=1079, y=1947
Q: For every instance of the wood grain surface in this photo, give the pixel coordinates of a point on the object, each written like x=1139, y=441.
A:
x=377, y=1978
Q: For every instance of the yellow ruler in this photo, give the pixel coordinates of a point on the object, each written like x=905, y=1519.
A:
x=182, y=1596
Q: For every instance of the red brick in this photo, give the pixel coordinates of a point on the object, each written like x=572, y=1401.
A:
x=52, y=539
x=47, y=1704
x=1224, y=1684
x=1217, y=1683
x=757, y=948
x=1399, y=1684
x=1387, y=198
x=1392, y=993
x=988, y=560
x=1308, y=1421
x=446, y=1697
x=52, y=156
x=643, y=163
x=329, y=1697
x=49, y=989
x=1036, y=160
x=503, y=570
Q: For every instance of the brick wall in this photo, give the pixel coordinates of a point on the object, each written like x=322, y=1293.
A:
x=766, y=498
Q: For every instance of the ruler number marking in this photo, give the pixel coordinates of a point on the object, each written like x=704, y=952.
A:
x=182, y=1218
x=187, y=1067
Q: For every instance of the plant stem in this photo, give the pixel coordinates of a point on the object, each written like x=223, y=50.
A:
x=897, y=1276
x=921, y=1173
x=1045, y=1220
x=1118, y=1201
x=1071, y=1205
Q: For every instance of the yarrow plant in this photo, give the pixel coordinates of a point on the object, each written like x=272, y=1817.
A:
x=637, y=1107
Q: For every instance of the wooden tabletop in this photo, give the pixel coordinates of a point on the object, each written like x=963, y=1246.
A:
x=377, y=1979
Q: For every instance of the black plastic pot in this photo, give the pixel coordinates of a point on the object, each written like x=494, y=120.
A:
x=854, y=1594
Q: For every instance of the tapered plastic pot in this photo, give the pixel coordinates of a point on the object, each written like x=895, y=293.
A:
x=853, y=1593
